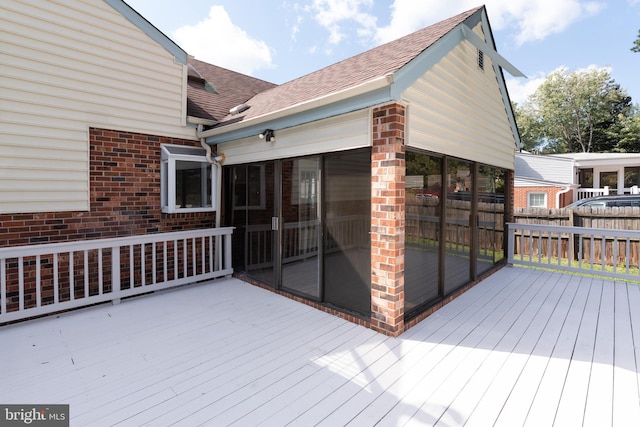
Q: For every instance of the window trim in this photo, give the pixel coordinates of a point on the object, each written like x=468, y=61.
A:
x=543, y=193
x=168, y=161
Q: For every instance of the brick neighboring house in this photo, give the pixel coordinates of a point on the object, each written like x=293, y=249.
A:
x=555, y=181
x=376, y=188
x=543, y=181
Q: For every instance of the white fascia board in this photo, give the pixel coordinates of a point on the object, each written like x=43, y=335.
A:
x=520, y=181
x=475, y=40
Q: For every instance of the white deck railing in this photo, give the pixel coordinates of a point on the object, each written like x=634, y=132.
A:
x=583, y=193
x=42, y=279
x=603, y=252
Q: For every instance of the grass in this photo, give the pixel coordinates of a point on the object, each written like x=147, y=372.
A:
x=552, y=264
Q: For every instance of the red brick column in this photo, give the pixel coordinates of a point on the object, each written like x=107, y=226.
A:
x=388, y=219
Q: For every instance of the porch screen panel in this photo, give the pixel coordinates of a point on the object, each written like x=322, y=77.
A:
x=422, y=229
x=457, y=233
x=249, y=206
x=347, y=253
x=300, y=246
x=490, y=225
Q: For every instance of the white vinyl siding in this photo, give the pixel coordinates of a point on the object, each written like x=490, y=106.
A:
x=340, y=133
x=92, y=68
x=457, y=109
x=545, y=168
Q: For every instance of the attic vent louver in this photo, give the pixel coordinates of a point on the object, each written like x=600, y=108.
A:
x=238, y=109
x=480, y=59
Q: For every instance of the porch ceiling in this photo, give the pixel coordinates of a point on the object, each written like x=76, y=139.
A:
x=522, y=347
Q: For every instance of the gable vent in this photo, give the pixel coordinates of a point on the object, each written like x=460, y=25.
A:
x=480, y=59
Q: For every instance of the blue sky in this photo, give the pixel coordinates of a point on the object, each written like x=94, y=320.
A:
x=279, y=40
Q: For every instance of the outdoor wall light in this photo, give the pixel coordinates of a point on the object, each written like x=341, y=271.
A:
x=268, y=135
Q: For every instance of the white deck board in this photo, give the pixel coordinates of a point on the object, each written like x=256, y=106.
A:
x=571, y=406
x=599, y=408
x=515, y=348
x=523, y=347
x=626, y=401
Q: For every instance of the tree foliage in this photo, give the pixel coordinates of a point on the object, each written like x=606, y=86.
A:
x=636, y=44
x=579, y=111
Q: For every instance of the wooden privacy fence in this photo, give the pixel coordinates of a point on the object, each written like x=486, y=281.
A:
x=42, y=279
x=617, y=217
x=423, y=226
x=606, y=252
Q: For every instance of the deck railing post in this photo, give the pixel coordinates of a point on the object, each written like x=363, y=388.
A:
x=115, y=274
x=510, y=243
x=227, y=252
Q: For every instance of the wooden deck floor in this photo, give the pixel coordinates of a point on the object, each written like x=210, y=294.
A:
x=524, y=347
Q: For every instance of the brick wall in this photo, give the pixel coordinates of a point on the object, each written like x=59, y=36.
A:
x=388, y=219
x=520, y=196
x=124, y=196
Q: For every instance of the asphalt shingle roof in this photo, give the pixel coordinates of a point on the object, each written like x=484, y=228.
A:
x=377, y=62
x=227, y=89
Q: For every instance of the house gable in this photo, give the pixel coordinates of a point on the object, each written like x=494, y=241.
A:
x=375, y=77
x=145, y=26
x=458, y=109
x=67, y=67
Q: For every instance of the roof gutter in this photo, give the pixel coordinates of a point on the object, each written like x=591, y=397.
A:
x=369, y=86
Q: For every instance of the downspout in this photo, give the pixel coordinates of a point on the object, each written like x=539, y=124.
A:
x=566, y=190
x=217, y=161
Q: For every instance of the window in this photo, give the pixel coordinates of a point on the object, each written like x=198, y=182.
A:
x=585, y=178
x=610, y=179
x=631, y=176
x=188, y=180
x=303, y=188
x=537, y=200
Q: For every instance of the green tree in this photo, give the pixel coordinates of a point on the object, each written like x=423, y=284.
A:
x=636, y=44
x=579, y=111
x=529, y=127
x=607, y=134
x=630, y=133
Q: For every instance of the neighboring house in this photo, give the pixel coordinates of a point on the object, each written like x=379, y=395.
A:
x=376, y=188
x=543, y=181
x=555, y=181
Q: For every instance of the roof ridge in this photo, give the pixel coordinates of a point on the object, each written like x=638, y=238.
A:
x=348, y=73
x=456, y=18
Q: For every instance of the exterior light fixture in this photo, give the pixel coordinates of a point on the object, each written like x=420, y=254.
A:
x=268, y=135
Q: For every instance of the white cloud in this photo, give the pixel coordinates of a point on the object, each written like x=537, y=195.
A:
x=521, y=89
x=219, y=41
x=527, y=20
x=334, y=14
